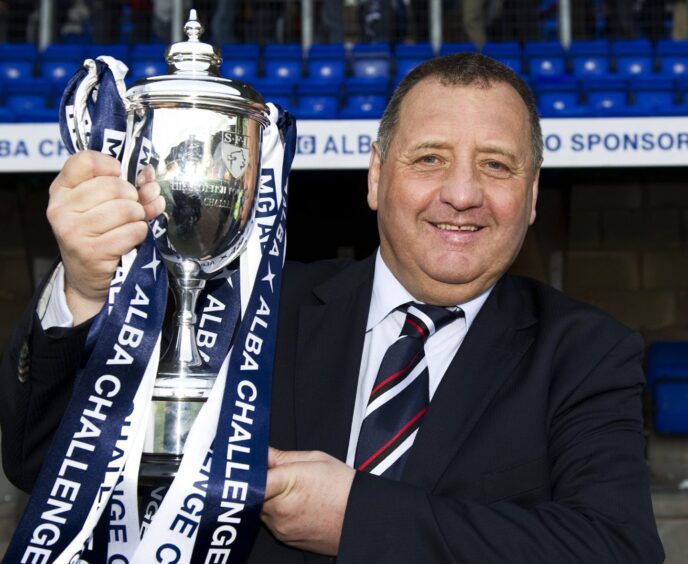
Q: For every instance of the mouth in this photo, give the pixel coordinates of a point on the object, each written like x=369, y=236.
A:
x=452, y=227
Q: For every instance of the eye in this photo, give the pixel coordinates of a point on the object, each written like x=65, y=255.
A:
x=497, y=168
x=428, y=159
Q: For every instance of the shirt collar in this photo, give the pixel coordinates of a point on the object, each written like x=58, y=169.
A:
x=389, y=294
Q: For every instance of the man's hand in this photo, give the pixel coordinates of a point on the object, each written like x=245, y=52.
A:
x=97, y=217
x=305, y=499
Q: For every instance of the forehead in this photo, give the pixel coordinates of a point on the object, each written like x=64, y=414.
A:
x=490, y=112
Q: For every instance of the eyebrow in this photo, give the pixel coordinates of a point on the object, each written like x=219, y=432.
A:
x=486, y=148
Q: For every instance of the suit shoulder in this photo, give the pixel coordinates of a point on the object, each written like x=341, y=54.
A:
x=554, y=307
x=300, y=277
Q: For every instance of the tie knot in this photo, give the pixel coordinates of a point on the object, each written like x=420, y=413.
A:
x=423, y=320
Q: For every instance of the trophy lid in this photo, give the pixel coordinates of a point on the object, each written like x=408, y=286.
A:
x=193, y=80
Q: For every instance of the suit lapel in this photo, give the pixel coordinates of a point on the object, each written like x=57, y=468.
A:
x=329, y=348
x=488, y=355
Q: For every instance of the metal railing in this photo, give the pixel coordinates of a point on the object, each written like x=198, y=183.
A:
x=322, y=21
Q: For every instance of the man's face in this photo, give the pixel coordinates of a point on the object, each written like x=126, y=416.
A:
x=457, y=190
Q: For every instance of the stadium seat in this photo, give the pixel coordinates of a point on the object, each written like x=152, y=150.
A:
x=275, y=90
x=15, y=70
x=545, y=59
x=672, y=58
x=283, y=61
x=590, y=58
x=147, y=52
x=409, y=56
x=654, y=96
x=326, y=62
x=237, y=69
x=362, y=106
x=508, y=53
x=145, y=69
x=633, y=57
x=317, y=100
x=58, y=73
x=240, y=61
x=64, y=52
x=667, y=378
x=119, y=51
x=449, y=48
x=606, y=98
x=18, y=52
x=6, y=115
x=370, y=61
x=558, y=99
x=32, y=109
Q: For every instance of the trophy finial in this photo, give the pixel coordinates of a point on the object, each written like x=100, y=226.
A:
x=193, y=27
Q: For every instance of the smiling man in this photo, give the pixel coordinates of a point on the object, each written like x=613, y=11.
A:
x=427, y=406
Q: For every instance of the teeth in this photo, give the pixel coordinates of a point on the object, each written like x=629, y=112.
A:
x=450, y=227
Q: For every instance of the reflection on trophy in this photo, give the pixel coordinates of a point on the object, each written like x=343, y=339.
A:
x=202, y=134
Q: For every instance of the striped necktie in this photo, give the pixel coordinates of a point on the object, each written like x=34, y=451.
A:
x=400, y=395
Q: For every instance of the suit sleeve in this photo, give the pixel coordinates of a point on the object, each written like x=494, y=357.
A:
x=36, y=379
x=599, y=511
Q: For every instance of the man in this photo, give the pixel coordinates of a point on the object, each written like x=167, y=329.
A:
x=531, y=449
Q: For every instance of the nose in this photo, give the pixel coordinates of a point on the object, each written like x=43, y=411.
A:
x=461, y=187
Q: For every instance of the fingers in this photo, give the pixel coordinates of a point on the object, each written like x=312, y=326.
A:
x=278, y=457
x=279, y=481
x=149, y=194
x=85, y=165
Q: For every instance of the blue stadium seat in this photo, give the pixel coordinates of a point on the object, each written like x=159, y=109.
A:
x=672, y=58
x=558, y=98
x=277, y=91
x=326, y=70
x=18, y=52
x=15, y=70
x=361, y=106
x=667, y=378
x=417, y=51
x=6, y=115
x=237, y=69
x=119, y=51
x=654, y=96
x=409, y=56
x=633, y=57
x=449, y=48
x=328, y=51
x=545, y=59
x=243, y=51
x=240, y=61
x=507, y=52
x=147, y=52
x=146, y=68
x=326, y=62
x=590, y=58
x=607, y=98
x=64, y=52
x=371, y=61
x=317, y=100
x=31, y=109
x=58, y=73
x=283, y=61
x=17, y=78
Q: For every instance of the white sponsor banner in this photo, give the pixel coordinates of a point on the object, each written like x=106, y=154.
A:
x=345, y=144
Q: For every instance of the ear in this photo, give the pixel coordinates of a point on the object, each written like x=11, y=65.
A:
x=534, y=195
x=373, y=176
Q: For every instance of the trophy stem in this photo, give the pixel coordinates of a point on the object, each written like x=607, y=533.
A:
x=182, y=384
x=182, y=356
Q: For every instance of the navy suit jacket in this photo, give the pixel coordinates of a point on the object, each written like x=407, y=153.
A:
x=532, y=449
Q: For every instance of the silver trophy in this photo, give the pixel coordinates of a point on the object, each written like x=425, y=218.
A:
x=203, y=136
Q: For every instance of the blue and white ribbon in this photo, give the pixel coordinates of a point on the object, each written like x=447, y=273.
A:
x=89, y=480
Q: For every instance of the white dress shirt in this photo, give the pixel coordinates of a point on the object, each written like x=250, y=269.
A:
x=383, y=328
